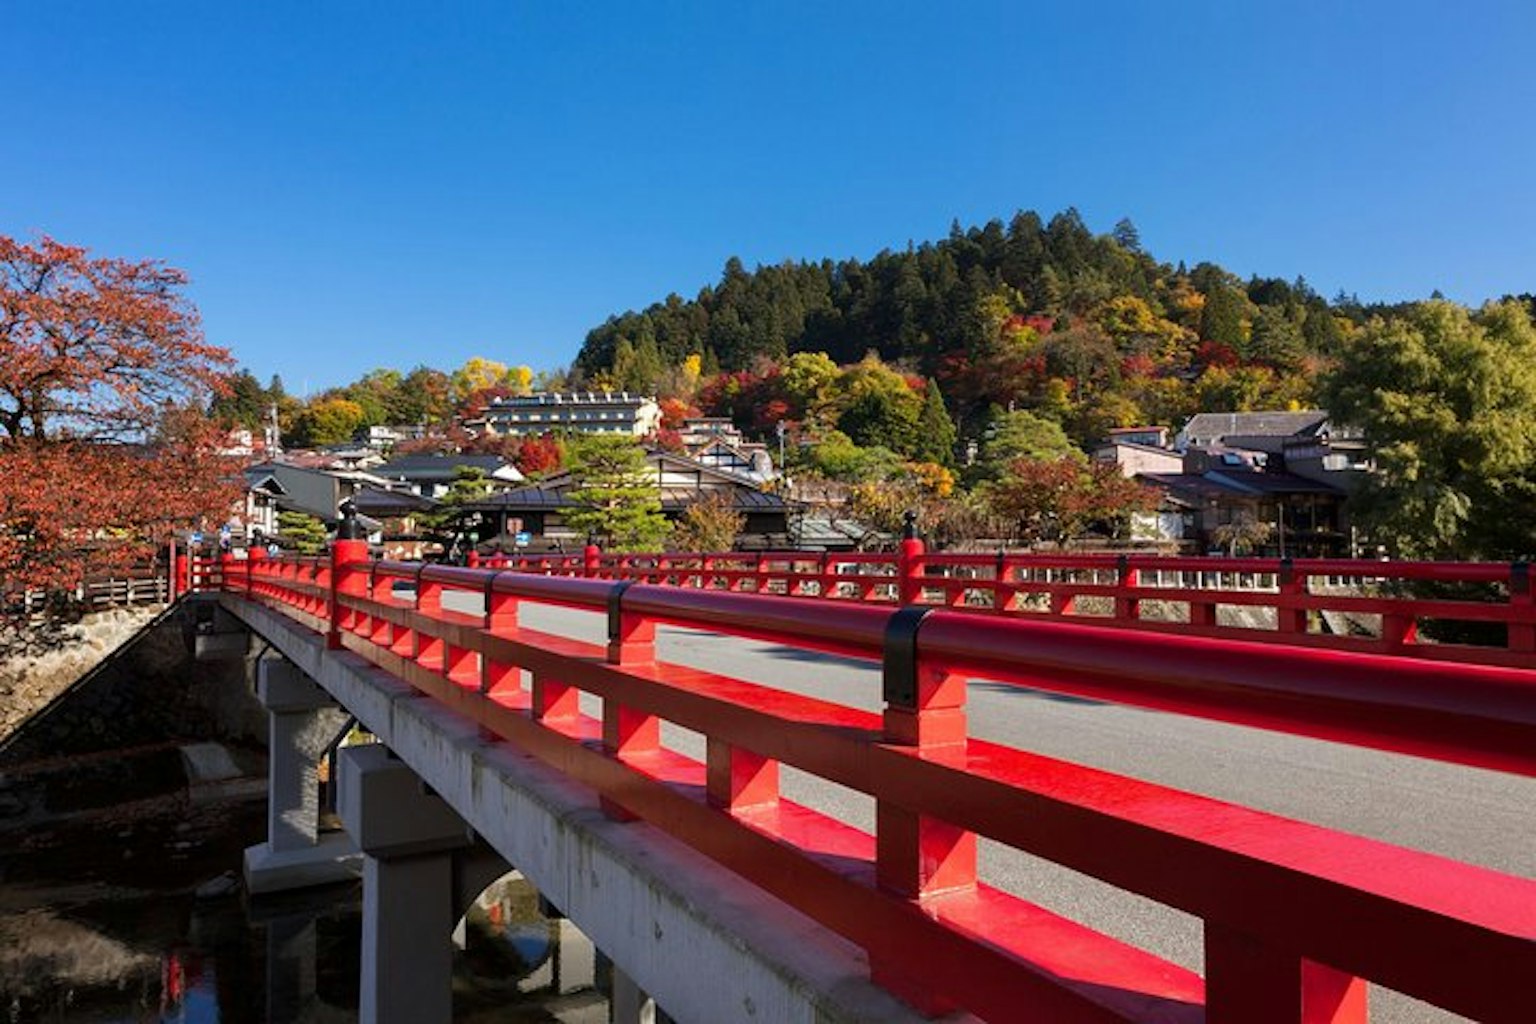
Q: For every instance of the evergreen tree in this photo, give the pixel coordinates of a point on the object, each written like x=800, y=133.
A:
x=301, y=532
x=935, y=430
x=244, y=403
x=1126, y=235
x=1222, y=319
x=616, y=496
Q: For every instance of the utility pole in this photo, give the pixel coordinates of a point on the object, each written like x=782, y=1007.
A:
x=274, y=438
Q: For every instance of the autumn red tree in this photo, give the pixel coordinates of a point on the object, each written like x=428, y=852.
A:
x=1062, y=499
x=95, y=347
x=539, y=456
x=103, y=452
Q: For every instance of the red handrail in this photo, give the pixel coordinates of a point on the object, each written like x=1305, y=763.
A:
x=1182, y=594
x=1295, y=914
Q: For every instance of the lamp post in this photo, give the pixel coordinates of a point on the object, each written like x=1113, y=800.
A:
x=779, y=428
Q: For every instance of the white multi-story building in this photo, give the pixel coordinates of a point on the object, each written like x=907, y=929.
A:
x=579, y=412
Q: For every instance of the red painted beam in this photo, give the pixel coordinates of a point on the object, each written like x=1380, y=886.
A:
x=1477, y=715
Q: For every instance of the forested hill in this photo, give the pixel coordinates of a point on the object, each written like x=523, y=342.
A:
x=1043, y=315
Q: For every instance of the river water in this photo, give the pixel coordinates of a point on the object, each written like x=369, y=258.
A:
x=137, y=917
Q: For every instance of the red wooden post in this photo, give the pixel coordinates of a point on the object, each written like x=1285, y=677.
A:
x=1127, y=607
x=1247, y=982
x=1201, y=612
x=1292, y=588
x=348, y=554
x=591, y=557
x=1522, y=602
x=227, y=570
x=555, y=703
x=428, y=649
x=183, y=573
x=255, y=556
x=917, y=856
x=739, y=780
x=627, y=731
x=500, y=616
x=909, y=563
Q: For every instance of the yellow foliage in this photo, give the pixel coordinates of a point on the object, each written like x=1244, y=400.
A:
x=477, y=374
x=693, y=368
x=933, y=478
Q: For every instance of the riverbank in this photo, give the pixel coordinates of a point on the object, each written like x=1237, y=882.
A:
x=29, y=683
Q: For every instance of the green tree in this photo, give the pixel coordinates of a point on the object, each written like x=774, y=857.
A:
x=874, y=406
x=1447, y=399
x=806, y=375
x=616, y=497
x=1277, y=339
x=244, y=402
x=935, y=430
x=1022, y=435
x=1221, y=319
x=425, y=396
x=301, y=532
x=446, y=521
x=330, y=421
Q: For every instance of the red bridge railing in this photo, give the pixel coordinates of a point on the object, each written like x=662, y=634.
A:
x=1296, y=916
x=1307, y=602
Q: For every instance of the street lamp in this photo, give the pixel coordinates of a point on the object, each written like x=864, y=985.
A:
x=779, y=428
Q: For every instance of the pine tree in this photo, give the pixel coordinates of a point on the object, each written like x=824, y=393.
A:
x=935, y=430
x=301, y=532
x=616, y=498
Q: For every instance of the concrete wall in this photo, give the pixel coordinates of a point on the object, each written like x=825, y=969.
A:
x=149, y=690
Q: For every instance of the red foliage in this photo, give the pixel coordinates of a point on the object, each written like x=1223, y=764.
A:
x=102, y=454
x=95, y=347
x=1041, y=325
x=754, y=402
x=995, y=379
x=1214, y=353
x=675, y=410
x=538, y=456
x=72, y=510
x=667, y=440
x=770, y=413
x=474, y=403
x=1063, y=498
x=1138, y=365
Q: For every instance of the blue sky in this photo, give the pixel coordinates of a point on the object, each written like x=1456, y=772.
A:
x=360, y=185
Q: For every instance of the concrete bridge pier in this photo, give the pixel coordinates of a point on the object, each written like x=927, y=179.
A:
x=628, y=1003
x=302, y=722
x=419, y=861
x=291, y=956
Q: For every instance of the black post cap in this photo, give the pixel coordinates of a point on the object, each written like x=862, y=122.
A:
x=350, y=528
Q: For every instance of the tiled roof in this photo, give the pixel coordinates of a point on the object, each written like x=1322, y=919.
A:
x=1235, y=482
x=438, y=467
x=376, y=501
x=1217, y=425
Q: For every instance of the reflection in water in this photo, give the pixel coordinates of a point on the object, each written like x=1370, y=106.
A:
x=136, y=943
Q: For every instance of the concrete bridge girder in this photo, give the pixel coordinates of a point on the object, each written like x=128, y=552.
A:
x=700, y=941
